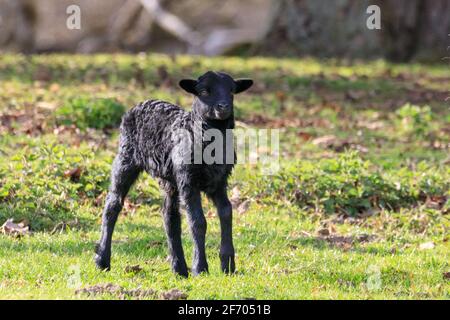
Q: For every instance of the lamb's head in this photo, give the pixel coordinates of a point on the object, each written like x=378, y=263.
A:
x=214, y=94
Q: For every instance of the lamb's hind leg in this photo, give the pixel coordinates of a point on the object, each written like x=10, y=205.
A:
x=172, y=224
x=123, y=175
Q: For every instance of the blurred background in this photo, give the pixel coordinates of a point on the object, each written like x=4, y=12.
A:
x=363, y=118
x=411, y=29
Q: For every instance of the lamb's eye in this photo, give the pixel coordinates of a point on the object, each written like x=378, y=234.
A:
x=203, y=92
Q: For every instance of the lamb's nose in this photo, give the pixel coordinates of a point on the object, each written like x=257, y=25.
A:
x=222, y=105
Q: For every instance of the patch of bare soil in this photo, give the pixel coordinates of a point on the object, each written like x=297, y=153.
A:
x=329, y=235
x=122, y=293
x=71, y=134
x=338, y=145
x=29, y=121
x=345, y=241
x=36, y=120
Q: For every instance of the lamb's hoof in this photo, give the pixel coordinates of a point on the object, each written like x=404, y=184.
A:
x=183, y=274
x=227, y=263
x=200, y=269
x=102, y=263
x=180, y=269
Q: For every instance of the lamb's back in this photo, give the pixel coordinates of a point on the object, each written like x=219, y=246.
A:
x=148, y=128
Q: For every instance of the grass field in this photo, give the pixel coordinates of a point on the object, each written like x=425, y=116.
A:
x=358, y=210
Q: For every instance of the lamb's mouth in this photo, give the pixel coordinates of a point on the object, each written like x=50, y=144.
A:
x=221, y=115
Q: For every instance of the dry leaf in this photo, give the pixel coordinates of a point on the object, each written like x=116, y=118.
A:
x=305, y=233
x=354, y=95
x=281, y=95
x=74, y=174
x=46, y=105
x=155, y=243
x=235, y=198
x=427, y=245
x=54, y=87
x=15, y=229
x=174, y=294
x=323, y=232
x=325, y=140
x=129, y=208
x=117, y=290
x=243, y=207
x=99, y=289
x=344, y=242
x=99, y=200
x=133, y=269
x=305, y=136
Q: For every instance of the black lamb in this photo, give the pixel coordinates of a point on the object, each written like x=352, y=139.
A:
x=147, y=143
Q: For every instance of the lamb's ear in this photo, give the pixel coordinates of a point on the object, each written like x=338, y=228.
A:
x=242, y=84
x=189, y=85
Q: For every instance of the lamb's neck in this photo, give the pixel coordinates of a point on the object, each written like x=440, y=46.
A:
x=221, y=125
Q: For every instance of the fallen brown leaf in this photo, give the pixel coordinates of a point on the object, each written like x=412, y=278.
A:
x=235, y=198
x=323, y=232
x=133, y=269
x=117, y=290
x=28, y=121
x=338, y=145
x=74, y=174
x=129, y=208
x=375, y=125
x=345, y=241
x=46, y=105
x=427, y=245
x=243, y=207
x=15, y=229
x=99, y=200
x=327, y=140
x=99, y=289
x=354, y=95
x=305, y=136
x=436, y=202
x=155, y=243
x=173, y=294
x=54, y=87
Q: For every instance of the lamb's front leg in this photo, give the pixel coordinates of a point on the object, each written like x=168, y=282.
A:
x=197, y=223
x=224, y=211
x=172, y=223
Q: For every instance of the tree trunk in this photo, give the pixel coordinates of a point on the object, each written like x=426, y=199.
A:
x=409, y=28
x=17, y=19
x=320, y=28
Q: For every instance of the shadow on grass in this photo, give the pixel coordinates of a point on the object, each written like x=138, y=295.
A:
x=63, y=244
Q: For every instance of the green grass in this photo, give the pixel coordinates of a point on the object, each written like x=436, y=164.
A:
x=344, y=218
